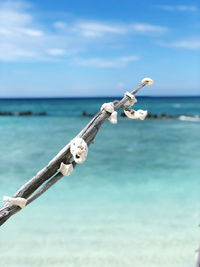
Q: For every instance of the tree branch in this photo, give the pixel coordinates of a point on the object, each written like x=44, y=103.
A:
x=88, y=134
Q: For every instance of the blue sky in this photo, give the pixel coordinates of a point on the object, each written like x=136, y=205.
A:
x=98, y=48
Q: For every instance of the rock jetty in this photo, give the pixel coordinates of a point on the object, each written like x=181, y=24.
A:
x=149, y=116
x=22, y=113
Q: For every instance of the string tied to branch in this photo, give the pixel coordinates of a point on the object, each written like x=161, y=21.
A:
x=66, y=169
x=147, y=81
x=16, y=201
x=113, y=117
x=132, y=100
x=136, y=114
x=79, y=149
x=131, y=113
x=110, y=108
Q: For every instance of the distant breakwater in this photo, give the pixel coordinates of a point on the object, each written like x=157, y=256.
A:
x=150, y=115
x=22, y=113
x=183, y=117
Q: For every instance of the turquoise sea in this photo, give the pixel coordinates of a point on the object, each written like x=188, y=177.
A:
x=135, y=202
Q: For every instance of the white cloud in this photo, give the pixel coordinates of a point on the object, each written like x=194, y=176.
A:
x=11, y=52
x=121, y=85
x=190, y=44
x=97, y=29
x=105, y=63
x=31, y=32
x=4, y=32
x=187, y=44
x=60, y=25
x=56, y=52
x=178, y=8
x=148, y=28
x=24, y=38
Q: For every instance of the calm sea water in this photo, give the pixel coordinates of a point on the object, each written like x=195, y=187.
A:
x=135, y=202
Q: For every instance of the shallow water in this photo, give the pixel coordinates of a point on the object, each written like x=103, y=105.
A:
x=134, y=202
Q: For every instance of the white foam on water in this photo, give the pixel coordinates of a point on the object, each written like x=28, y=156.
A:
x=177, y=105
x=189, y=118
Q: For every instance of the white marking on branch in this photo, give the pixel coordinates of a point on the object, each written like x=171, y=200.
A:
x=108, y=107
x=17, y=201
x=136, y=114
x=113, y=117
x=79, y=149
x=66, y=169
x=132, y=100
x=147, y=81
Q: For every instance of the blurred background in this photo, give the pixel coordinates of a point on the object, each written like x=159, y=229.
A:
x=135, y=201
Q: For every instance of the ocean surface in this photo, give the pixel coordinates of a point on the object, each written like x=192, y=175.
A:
x=135, y=202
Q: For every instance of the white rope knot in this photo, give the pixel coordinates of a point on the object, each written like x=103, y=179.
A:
x=79, y=149
x=109, y=107
x=17, y=201
x=66, y=169
x=147, y=81
x=136, y=114
x=113, y=117
x=132, y=100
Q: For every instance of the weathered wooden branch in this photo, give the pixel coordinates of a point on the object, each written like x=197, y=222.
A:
x=50, y=171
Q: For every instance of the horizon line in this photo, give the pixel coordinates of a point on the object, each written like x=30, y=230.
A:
x=92, y=97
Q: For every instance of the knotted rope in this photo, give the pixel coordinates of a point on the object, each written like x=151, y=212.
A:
x=17, y=201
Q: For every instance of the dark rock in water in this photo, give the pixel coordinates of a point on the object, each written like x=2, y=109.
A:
x=6, y=114
x=168, y=116
x=40, y=114
x=23, y=113
x=123, y=114
x=149, y=115
x=85, y=114
x=152, y=116
x=155, y=116
x=162, y=115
